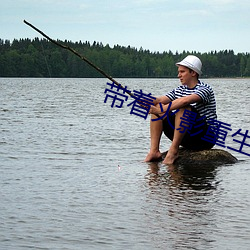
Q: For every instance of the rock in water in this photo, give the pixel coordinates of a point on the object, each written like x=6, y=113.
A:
x=204, y=157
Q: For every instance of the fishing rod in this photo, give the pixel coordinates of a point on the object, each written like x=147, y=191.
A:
x=80, y=56
x=141, y=101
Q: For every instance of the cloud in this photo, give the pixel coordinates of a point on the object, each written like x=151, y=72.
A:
x=149, y=2
x=152, y=24
x=225, y=5
x=84, y=6
x=222, y=2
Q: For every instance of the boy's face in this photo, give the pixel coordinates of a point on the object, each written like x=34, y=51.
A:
x=185, y=75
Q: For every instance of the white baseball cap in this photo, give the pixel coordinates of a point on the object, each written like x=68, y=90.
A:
x=191, y=62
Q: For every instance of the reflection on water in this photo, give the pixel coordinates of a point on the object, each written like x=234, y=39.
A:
x=189, y=177
x=184, y=194
x=194, y=207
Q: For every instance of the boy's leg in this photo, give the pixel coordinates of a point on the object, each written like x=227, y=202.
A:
x=156, y=128
x=173, y=151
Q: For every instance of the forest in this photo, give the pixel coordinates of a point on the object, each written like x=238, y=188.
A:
x=41, y=58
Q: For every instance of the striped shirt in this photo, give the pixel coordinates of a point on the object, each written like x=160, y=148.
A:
x=207, y=106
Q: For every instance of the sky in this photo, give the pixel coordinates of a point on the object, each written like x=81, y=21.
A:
x=155, y=25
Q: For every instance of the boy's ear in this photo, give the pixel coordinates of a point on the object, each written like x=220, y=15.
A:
x=193, y=73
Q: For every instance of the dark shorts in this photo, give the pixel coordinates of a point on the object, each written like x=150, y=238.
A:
x=193, y=137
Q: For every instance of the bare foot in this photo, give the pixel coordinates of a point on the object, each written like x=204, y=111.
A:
x=153, y=156
x=171, y=157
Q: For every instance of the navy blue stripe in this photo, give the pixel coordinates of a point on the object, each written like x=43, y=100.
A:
x=205, y=108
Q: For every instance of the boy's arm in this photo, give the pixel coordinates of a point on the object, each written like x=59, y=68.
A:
x=162, y=99
x=176, y=104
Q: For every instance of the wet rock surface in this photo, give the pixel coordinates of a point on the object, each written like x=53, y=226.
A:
x=204, y=157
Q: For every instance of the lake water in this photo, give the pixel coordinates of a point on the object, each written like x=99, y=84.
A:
x=72, y=174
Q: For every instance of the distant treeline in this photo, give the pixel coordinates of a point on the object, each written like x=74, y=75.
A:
x=41, y=58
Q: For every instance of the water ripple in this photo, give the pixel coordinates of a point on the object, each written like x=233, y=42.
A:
x=72, y=175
